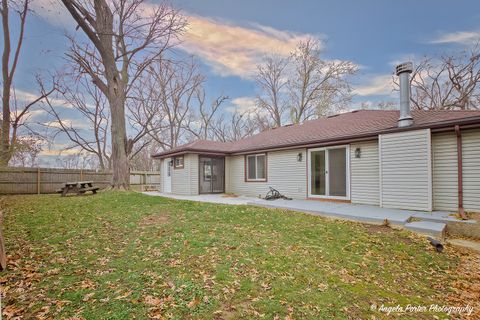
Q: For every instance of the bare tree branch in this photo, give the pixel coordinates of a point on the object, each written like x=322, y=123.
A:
x=128, y=36
x=271, y=80
x=317, y=86
x=91, y=108
x=450, y=82
x=305, y=86
x=7, y=137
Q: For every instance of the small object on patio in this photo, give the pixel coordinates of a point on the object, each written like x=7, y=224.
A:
x=437, y=244
x=273, y=194
x=78, y=187
x=229, y=195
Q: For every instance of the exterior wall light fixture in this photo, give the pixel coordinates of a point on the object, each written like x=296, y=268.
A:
x=358, y=152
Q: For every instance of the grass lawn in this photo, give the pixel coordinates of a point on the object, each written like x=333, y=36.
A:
x=122, y=255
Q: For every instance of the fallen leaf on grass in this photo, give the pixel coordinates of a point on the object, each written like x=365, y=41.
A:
x=43, y=312
x=53, y=272
x=322, y=287
x=87, y=284
x=88, y=296
x=123, y=296
x=12, y=311
x=155, y=313
x=265, y=286
x=153, y=301
x=192, y=304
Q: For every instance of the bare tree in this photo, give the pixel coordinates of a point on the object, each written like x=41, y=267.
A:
x=271, y=81
x=202, y=126
x=173, y=86
x=142, y=160
x=451, y=82
x=26, y=150
x=382, y=105
x=317, y=86
x=91, y=108
x=304, y=85
x=127, y=36
x=170, y=107
x=235, y=127
x=14, y=115
x=79, y=160
x=142, y=110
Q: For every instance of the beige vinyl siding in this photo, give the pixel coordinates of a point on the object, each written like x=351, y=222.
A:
x=160, y=180
x=162, y=175
x=364, y=171
x=193, y=159
x=185, y=181
x=284, y=173
x=471, y=169
x=406, y=170
x=445, y=178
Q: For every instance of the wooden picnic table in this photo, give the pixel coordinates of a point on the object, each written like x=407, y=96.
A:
x=78, y=187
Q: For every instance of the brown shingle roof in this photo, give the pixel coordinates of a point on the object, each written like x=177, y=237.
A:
x=355, y=124
x=206, y=146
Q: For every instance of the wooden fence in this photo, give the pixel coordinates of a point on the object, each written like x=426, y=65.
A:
x=48, y=180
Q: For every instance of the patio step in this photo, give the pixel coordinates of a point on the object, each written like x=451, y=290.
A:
x=440, y=216
x=434, y=229
x=474, y=245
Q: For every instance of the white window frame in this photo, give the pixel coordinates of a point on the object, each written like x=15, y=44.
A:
x=256, y=167
x=309, y=173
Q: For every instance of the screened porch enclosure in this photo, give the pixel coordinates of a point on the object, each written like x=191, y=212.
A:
x=211, y=174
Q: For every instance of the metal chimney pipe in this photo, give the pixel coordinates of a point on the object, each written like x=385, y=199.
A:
x=403, y=71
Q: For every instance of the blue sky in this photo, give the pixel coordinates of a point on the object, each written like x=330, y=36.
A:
x=230, y=37
x=373, y=34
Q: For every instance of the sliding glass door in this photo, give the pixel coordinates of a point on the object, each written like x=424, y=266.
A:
x=211, y=175
x=328, y=173
x=337, y=172
x=318, y=184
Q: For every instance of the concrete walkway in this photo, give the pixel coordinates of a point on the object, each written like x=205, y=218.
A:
x=432, y=223
x=212, y=198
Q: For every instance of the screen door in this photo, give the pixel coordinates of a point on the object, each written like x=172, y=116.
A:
x=211, y=174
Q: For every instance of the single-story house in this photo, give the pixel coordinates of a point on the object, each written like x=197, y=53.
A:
x=421, y=160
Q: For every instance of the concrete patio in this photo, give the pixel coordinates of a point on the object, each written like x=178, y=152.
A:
x=429, y=223
x=211, y=198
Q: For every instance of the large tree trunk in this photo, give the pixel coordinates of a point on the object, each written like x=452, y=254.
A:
x=127, y=43
x=120, y=163
x=117, y=84
x=5, y=153
x=5, y=133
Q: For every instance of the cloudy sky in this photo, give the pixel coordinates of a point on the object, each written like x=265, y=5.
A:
x=229, y=37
